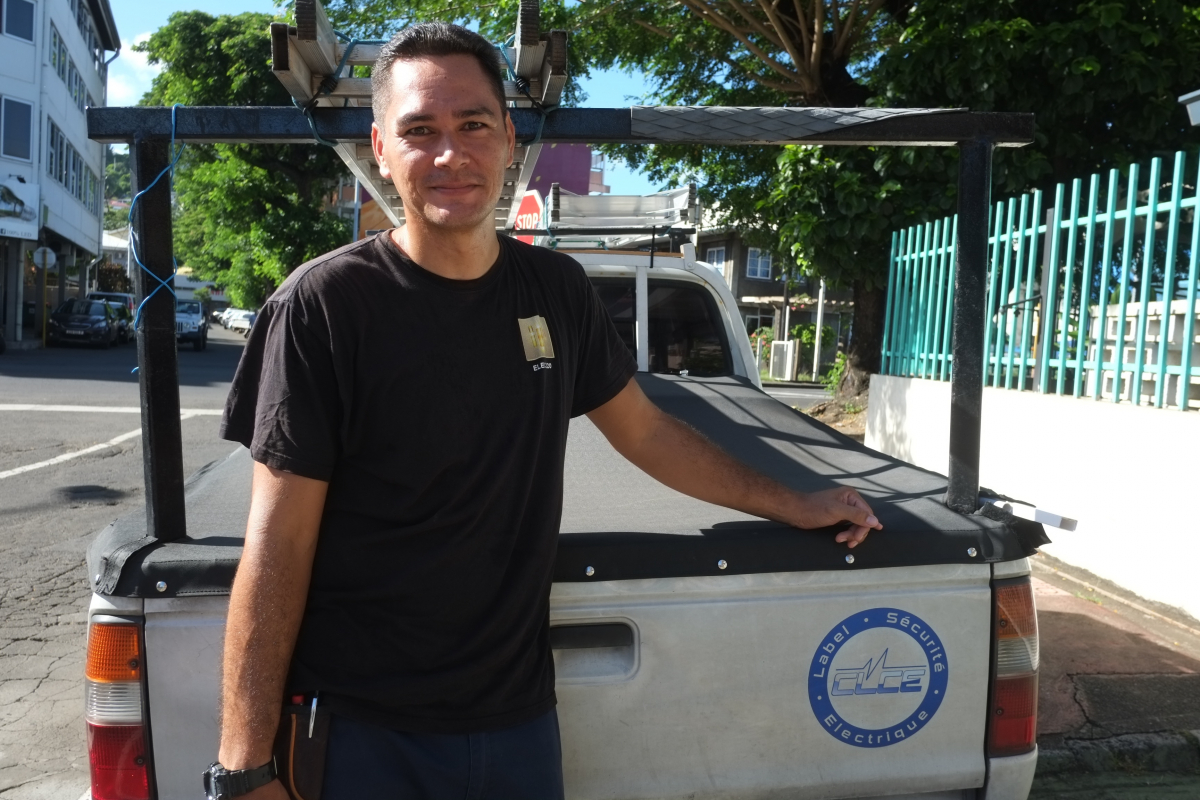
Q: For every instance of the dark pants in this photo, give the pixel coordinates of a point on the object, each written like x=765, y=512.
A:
x=367, y=762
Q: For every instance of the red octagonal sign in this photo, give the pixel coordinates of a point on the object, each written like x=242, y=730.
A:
x=530, y=214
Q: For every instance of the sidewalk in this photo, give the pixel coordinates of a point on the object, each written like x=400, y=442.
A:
x=1119, y=691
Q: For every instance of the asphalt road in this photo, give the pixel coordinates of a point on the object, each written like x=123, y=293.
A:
x=47, y=515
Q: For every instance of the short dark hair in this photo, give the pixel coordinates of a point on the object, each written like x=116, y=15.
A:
x=432, y=39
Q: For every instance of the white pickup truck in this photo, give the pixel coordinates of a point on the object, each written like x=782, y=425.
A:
x=699, y=652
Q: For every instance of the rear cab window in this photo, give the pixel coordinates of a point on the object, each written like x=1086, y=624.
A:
x=686, y=333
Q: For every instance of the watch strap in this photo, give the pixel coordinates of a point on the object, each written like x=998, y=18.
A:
x=224, y=784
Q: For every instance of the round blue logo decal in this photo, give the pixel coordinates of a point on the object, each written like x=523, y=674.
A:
x=878, y=677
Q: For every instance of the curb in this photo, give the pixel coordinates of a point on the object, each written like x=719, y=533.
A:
x=792, y=385
x=1177, y=752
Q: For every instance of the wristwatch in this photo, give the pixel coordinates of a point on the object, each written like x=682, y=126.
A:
x=225, y=784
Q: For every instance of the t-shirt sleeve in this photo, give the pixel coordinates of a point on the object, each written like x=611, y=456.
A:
x=284, y=404
x=605, y=363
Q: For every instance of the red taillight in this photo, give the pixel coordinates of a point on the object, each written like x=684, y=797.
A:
x=1012, y=711
x=118, y=757
x=116, y=731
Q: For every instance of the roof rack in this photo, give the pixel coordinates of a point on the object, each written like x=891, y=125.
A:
x=316, y=68
x=614, y=222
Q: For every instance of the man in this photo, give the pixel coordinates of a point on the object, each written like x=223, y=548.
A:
x=406, y=400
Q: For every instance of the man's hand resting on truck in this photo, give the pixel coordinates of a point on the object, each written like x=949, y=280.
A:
x=679, y=457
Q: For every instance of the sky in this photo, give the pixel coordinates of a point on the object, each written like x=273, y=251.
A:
x=130, y=75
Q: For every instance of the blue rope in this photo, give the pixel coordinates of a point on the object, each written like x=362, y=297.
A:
x=170, y=171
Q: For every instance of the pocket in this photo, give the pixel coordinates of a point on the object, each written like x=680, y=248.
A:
x=299, y=757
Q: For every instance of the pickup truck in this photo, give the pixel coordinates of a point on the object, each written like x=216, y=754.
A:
x=699, y=652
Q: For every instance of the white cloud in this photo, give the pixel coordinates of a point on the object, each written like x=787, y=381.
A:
x=130, y=76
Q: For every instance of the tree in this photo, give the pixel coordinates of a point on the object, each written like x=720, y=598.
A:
x=116, y=187
x=246, y=215
x=1101, y=79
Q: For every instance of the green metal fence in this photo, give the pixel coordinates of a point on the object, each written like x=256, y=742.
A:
x=1090, y=295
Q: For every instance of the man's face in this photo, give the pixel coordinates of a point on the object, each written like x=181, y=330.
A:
x=445, y=141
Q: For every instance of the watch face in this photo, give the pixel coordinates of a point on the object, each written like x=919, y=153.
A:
x=211, y=792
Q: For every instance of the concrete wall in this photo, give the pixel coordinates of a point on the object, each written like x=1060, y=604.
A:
x=1129, y=475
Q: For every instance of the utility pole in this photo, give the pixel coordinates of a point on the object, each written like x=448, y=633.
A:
x=820, y=322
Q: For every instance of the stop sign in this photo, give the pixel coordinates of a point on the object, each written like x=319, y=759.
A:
x=530, y=214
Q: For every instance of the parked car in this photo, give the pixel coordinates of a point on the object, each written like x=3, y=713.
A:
x=699, y=652
x=241, y=321
x=83, y=322
x=124, y=316
x=228, y=314
x=121, y=298
x=190, y=324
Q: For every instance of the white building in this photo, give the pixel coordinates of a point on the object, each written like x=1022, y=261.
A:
x=54, y=58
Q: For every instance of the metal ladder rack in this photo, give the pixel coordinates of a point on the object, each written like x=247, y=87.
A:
x=316, y=69
x=614, y=222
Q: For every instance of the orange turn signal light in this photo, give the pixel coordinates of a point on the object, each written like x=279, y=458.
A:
x=1015, y=614
x=114, y=653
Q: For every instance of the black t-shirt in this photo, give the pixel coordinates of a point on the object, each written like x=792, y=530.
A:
x=437, y=410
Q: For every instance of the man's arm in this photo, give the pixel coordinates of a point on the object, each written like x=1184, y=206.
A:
x=678, y=456
x=265, y=609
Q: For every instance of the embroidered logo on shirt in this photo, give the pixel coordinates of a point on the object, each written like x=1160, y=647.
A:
x=535, y=335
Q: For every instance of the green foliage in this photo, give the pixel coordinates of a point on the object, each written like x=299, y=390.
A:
x=838, y=205
x=833, y=377
x=203, y=295
x=1103, y=78
x=806, y=332
x=115, y=218
x=116, y=176
x=245, y=215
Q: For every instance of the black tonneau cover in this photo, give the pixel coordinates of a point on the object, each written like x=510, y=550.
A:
x=622, y=524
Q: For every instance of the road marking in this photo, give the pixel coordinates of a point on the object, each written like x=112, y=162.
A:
x=191, y=412
x=111, y=442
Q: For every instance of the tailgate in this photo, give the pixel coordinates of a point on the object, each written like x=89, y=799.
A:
x=804, y=685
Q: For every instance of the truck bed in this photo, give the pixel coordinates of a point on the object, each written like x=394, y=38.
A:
x=699, y=652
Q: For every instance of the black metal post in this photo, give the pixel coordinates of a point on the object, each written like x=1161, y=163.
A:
x=158, y=364
x=970, y=282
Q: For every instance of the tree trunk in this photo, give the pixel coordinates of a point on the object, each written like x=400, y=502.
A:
x=866, y=343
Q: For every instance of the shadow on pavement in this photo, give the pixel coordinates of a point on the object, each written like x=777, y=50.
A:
x=215, y=365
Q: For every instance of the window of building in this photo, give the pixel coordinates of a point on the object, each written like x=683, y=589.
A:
x=65, y=165
x=16, y=124
x=76, y=86
x=759, y=317
x=758, y=264
x=18, y=19
x=716, y=257
x=57, y=50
